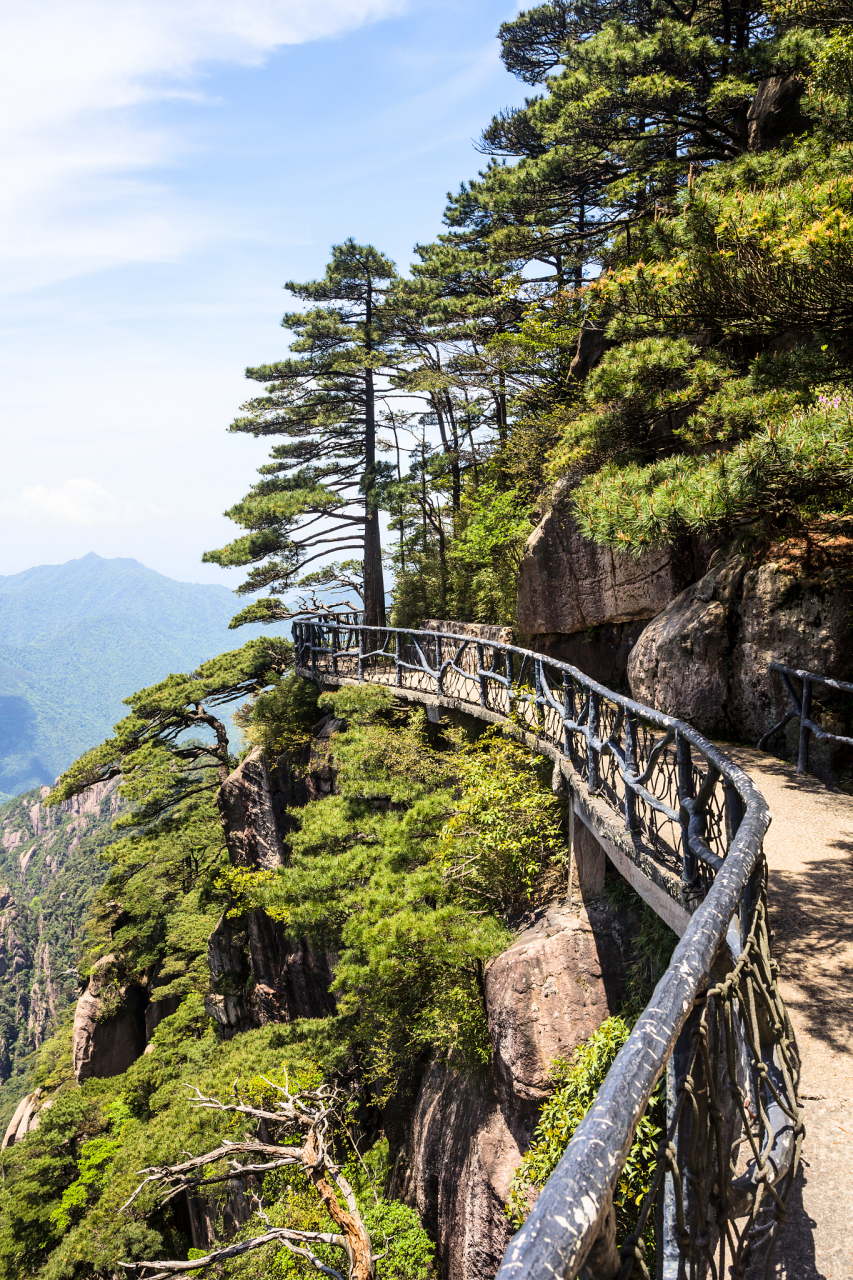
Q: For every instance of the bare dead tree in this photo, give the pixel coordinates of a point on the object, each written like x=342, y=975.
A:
x=302, y=1123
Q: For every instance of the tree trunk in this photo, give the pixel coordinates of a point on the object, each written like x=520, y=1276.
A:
x=374, y=583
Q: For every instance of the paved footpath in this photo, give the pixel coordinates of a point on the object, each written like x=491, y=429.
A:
x=810, y=857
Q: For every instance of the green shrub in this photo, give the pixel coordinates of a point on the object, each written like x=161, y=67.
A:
x=576, y=1084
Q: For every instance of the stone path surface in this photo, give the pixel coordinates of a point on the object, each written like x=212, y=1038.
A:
x=810, y=857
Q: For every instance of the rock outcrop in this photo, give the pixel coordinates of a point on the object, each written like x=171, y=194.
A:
x=248, y=817
x=258, y=974
x=775, y=112
x=549, y=991
x=705, y=657
x=26, y=1118
x=587, y=604
x=476, y=630
x=109, y=1025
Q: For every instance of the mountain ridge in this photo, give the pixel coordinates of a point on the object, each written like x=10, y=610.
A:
x=77, y=639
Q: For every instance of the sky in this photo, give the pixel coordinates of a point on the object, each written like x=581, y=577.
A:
x=168, y=165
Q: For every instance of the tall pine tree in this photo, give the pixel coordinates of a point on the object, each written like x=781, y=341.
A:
x=319, y=494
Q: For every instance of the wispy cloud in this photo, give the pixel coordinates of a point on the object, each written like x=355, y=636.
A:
x=78, y=502
x=73, y=77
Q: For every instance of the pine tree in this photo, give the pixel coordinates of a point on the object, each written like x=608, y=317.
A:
x=319, y=494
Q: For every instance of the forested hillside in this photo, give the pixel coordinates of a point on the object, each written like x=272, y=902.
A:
x=669, y=215
x=319, y=937
x=78, y=638
x=50, y=869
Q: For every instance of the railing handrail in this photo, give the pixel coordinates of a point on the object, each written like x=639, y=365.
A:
x=737, y=776
x=802, y=711
x=568, y=1214
x=815, y=678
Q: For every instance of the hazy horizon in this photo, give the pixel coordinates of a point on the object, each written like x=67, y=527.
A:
x=167, y=170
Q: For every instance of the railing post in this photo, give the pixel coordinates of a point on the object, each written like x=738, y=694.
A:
x=592, y=732
x=508, y=669
x=397, y=660
x=630, y=767
x=313, y=634
x=670, y=1253
x=568, y=710
x=336, y=644
x=684, y=765
x=735, y=810
x=360, y=654
x=481, y=656
x=805, y=714
x=438, y=674
x=540, y=701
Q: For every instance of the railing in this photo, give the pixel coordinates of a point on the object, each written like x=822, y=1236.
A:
x=803, y=710
x=692, y=821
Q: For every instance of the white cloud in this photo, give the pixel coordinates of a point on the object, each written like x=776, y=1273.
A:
x=73, y=74
x=82, y=503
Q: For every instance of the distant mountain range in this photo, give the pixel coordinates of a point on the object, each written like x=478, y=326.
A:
x=77, y=638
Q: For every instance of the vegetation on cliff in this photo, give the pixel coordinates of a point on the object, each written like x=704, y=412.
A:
x=676, y=196
x=409, y=874
x=50, y=869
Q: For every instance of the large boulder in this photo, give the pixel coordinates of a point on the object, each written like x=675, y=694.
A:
x=585, y=603
x=109, y=1024
x=705, y=657
x=549, y=991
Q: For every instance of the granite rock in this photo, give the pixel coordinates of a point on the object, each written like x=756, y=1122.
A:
x=705, y=657
x=545, y=994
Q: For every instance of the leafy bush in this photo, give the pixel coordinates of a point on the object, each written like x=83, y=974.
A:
x=506, y=827
x=576, y=1084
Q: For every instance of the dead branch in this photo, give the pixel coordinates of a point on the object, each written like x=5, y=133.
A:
x=306, y=1112
x=277, y=1235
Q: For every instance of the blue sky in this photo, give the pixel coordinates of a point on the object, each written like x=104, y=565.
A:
x=168, y=164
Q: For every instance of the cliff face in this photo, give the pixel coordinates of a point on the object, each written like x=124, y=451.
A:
x=49, y=870
x=587, y=604
x=549, y=991
x=705, y=656
x=459, y=1138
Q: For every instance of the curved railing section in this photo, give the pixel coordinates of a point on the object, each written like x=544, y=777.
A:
x=688, y=826
x=802, y=710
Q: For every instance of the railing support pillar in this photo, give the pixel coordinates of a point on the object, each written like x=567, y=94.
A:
x=481, y=674
x=684, y=765
x=568, y=712
x=630, y=767
x=603, y=1261
x=671, y=1253
x=805, y=716
x=591, y=734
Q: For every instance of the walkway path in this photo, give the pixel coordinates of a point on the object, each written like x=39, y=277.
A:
x=810, y=855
